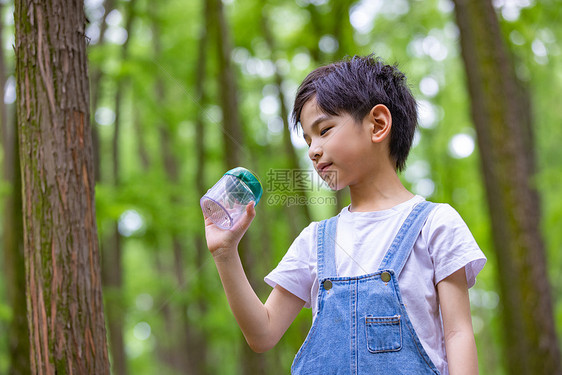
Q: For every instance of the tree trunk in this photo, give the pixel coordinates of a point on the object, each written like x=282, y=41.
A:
x=252, y=363
x=179, y=333
x=112, y=267
x=112, y=276
x=166, y=337
x=233, y=141
x=199, y=345
x=301, y=213
x=3, y=109
x=12, y=234
x=65, y=309
x=96, y=75
x=14, y=262
x=501, y=114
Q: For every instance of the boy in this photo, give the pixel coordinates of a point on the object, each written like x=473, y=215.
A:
x=387, y=279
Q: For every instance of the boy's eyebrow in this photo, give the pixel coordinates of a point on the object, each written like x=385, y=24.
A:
x=320, y=119
x=317, y=122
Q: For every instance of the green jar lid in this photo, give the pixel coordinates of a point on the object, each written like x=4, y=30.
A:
x=249, y=179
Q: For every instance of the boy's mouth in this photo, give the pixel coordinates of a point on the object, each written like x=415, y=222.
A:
x=322, y=167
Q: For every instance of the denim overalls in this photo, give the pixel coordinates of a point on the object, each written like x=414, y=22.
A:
x=362, y=326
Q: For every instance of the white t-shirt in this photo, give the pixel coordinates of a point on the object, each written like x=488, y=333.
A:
x=444, y=246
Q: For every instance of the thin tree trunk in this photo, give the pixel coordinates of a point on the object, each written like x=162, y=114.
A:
x=175, y=356
x=165, y=347
x=3, y=109
x=12, y=234
x=65, y=309
x=112, y=265
x=502, y=116
x=342, y=31
x=95, y=82
x=97, y=74
x=316, y=24
x=12, y=241
x=232, y=130
x=252, y=363
x=15, y=265
x=301, y=212
x=112, y=276
x=180, y=340
x=198, y=346
x=141, y=150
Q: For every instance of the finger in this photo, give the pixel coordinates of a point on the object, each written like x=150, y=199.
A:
x=205, y=217
x=250, y=209
x=246, y=218
x=210, y=223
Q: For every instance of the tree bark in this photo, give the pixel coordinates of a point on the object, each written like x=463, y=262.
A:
x=501, y=112
x=65, y=309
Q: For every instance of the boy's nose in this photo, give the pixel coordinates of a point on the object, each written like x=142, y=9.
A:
x=314, y=152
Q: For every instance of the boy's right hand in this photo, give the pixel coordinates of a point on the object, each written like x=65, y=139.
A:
x=222, y=242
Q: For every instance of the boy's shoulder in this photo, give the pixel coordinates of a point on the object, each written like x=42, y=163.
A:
x=444, y=223
x=444, y=214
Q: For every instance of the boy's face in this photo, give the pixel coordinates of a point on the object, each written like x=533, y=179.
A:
x=341, y=149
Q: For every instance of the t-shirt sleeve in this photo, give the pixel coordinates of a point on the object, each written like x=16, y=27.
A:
x=293, y=272
x=452, y=246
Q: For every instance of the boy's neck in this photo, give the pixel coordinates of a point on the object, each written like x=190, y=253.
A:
x=380, y=192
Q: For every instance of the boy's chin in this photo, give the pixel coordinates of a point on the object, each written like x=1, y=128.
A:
x=330, y=179
x=333, y=185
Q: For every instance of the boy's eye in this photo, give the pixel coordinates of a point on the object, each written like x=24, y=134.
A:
x=324, y=131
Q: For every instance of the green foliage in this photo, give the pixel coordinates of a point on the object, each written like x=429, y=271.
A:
x=158, y=77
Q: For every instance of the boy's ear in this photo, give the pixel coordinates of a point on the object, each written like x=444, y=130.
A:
x=381, y=122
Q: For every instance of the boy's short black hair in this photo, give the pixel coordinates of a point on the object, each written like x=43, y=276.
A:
x=354, y=86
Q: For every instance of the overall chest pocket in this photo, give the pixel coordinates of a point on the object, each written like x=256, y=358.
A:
x=384, y=334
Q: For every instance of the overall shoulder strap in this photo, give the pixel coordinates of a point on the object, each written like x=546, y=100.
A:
x=403, y=243
x=326, y=247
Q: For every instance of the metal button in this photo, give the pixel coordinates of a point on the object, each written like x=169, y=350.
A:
x=327, y=284
x=385, y=276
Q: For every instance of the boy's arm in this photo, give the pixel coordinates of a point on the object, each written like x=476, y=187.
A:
x=262, y=324
x=457, y=324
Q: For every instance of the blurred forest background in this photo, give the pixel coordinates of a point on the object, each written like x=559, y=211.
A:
x=181, y=91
